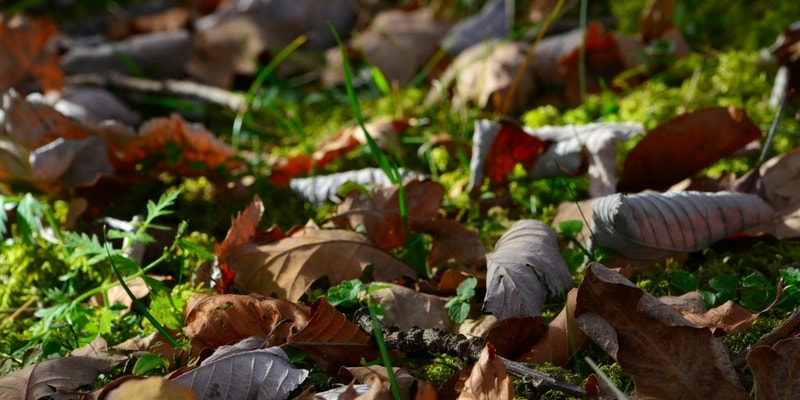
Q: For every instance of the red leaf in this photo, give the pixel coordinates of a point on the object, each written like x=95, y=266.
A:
x=512, y=146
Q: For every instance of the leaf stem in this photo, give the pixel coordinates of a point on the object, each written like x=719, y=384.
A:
x=387, y=362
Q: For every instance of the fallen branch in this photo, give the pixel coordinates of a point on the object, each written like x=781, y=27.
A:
x=210, y=94
x=419, y=340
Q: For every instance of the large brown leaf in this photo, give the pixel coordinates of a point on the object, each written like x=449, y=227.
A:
x=668, y=357
x=684, y=145
x=776, y=369
x=214, y=321
x=379, y=213
x=404, y=308
x=287, y=268
x=455, y=245
x=244, y=371
x=332, y=340
x=562, y=339
x=524, y=268
x=651, y=226
x=49, y=377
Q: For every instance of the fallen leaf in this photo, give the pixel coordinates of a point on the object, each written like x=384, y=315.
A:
x=50, y=377
x=159, y=55
x=780, y=177
x=524, y=268
x=287, y=268
x=242, y=230
x=484, y=74
x=497, y=147
x=249, y=374
x=332, y=340
x=152, y=388
x=379, y=213
x=214, y=321
x=27, y=54
x=728, y=318
x=562, y=339
x=319, y=189
x=187, y=149
x=454, y=245
x=404, y=308
x=489, y=23
x=572, y=144
x=397, y=42
x=377, y=374
x=684, y=145
x=486, y=380
x=667, y=356
x=513, y=337
x=651, y=226
x=775, y=369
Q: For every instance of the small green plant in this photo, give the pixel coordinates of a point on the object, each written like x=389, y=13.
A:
x=459, y=306
x=345, y=294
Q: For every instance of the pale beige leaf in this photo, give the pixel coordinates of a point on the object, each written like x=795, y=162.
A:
x=523, y=269
x=153, y=388
x=487, y=380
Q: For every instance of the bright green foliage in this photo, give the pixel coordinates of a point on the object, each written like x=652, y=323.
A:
x=150, y=364
x=345, y=294
x=458, y=307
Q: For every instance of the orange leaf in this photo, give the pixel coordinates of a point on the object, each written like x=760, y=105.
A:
x=684, y=145
x=332, y=340
x=242, y=230
x=213, y=321
x=25, y=54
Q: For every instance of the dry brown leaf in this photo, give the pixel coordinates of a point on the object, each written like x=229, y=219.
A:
x=776, y=369
x=404, y=308
x=214, y=321
x=379, y=213
x=668, y=356
x=50, y=377
x=562, y=339
x=780, y=178
x=727, y=319
x=398, y=42
x=332, y=340
x=524, y=268
x=455, y=245
x=152, y=388
x=486, y=380
x=287, y=268
x=512, y=337
x=26, y=54
x=652, y=226
x=405, y=381
x=684, y=145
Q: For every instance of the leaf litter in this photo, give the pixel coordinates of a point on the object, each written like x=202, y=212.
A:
x=413, y=241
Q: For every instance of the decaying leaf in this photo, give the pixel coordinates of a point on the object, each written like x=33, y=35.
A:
x=404, y=308
x=248, y=374
x=319, y=189
x=728, y=318
x=780, y=177
x=287, y=268
x=484, y=74
x=668, y=356
x=379, y=213
x=562, y=339
x=497, y=147
x=455, y=245
x=684, y=145
x=487, y=380
x=214, y=321
x=242, y=230
x=49, y=377
x=523, y=269
x=332, y=340
x=776, y=369
x=26, y=54
x=651, y=226
x=398, y=42
x=152, y=388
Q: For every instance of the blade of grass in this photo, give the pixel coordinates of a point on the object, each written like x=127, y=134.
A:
x=257, y=83
x=518, y=77
x=387, y=362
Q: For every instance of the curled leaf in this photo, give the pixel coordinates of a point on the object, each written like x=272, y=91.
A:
x=651, y=226
x=523, y=269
